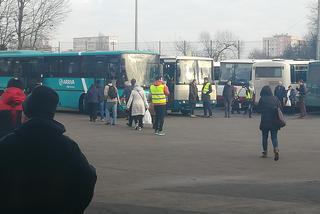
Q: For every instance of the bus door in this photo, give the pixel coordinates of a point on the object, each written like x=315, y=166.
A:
x=169, y=69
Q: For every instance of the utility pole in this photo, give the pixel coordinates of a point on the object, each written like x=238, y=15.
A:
x=136, y=26
x=318, y=39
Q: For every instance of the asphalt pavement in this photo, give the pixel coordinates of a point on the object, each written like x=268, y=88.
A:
x=202, y=165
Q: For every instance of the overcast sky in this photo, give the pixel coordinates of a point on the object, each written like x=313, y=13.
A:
x=170, y=20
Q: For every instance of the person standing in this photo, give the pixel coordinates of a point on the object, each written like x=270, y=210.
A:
x=228, y=96
x=205, y=96
x=112, y=99
x=301, y=101
x=280, y=92
x=159, y=92
x=250, y=94
x=11, y=105
x=93, y=97
x=139, y=104
x=291, y=97
x=193, y=96
x=268, y=105
x=42, y=170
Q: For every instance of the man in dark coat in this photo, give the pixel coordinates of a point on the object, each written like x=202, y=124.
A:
x=193, y=96
x=281, y=93
x=301, y=103
x=42, y=170
x=93, y=99
x=228, y=96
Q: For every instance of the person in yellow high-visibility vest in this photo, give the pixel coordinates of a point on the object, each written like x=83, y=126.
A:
x=250, y=93
x=205, y=96
x=159, y=92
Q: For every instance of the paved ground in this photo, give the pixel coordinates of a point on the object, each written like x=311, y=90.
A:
x=201, y=166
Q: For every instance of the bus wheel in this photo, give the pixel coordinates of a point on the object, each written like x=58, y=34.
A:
x=82, y=104
x=185, y=112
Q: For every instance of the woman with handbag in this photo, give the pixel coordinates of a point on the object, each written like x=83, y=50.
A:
x=271, y=120
x=139, y=105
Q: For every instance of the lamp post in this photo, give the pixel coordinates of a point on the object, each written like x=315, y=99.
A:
x=136, y=26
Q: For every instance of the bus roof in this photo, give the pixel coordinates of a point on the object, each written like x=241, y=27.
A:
x=185, y=58
x=27, y=53
x=281, y=62
x=244, y=61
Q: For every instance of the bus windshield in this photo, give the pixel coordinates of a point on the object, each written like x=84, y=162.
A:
x=269, y=72
x=314, y=74
x=236, y=72
x=186, y=71
x=144, y=68
x=205, y=68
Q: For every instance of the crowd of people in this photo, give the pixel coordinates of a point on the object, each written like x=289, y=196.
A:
x=45, y=169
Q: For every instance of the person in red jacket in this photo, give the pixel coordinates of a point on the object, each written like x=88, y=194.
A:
x=11, y=104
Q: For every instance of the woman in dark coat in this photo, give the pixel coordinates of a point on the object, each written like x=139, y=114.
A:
x=268, y=105
x=193, y=96
x=93, y=99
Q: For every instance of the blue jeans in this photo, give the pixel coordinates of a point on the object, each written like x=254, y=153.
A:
x=274, y=139
x=207, y=108
x=102, y=109
x=111, y=107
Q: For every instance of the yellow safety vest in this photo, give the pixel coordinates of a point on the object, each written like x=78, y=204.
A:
x=249, y=94
x=157, y=94
x=206, y=88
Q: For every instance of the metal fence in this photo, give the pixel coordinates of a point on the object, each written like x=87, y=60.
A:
x=241, y=49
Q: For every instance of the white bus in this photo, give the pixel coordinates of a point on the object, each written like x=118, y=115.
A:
x=178, y=72
x=239, y=72
x=289, y=72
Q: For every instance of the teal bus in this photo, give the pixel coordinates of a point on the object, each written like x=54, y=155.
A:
x=313, y=85
x=70, y=74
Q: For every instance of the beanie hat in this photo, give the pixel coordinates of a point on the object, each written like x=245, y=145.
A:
x=41, y=103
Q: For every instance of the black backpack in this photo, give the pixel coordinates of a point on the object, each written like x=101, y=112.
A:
x=112, y=93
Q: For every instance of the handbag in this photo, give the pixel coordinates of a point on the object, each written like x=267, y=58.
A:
x=147, y=118
x=280, y=118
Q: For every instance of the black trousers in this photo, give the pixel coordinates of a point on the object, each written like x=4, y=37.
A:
x=207, y=107
x=192, y=107
x=138, y=119
x=93, y=111
x=159, y=119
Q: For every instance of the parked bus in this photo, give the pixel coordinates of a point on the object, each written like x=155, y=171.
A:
x=178, y=72
x=289, y=72
x=72, y=73
x=239, y=72
x=313, y=85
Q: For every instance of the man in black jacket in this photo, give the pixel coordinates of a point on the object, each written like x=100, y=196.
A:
x=42, y=170
x=228, y=96
x=193, y=96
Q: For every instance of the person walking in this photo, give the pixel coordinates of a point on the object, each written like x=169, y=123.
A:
x=268, y=107
x=205, y=96
x=93, y=98
x=101, y=101
x=228, y=96
x=193, y=96
x=301, y=99
x=280, y=92
x=11, y=105
x=42, y=170
x=126, y=95
x=159, y=92
x=139, y=104
x=250, y=94
x=112, y=99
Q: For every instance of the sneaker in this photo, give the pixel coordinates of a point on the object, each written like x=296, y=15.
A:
x=156, y=132
x=108, y=123
x=193, y=116
x=264, y=155
x=161, y=134
x=276, y=155
x=139, y=129
x=102, y=120
x=129, y=125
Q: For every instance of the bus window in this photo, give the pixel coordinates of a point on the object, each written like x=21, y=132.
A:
x=186, y=71
x=269, y=72
x=205, y=68
x=5, y=67
x=301, y=73
x=242, y=73
x=293, y=74
x=70, y=67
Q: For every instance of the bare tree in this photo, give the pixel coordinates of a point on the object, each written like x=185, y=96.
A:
x=36, y=19
x=185, y=48
x=6, y=23
x=223, y=45
x=257, y=54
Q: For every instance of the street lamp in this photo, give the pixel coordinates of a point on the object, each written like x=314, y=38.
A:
x=136, y=26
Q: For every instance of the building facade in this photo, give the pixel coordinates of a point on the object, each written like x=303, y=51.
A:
x=99, y=43
x=275, y=46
